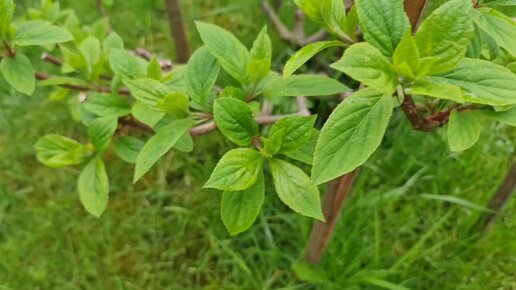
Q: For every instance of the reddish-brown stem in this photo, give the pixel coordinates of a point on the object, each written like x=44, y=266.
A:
x=10, y=52
x=177, y=30
x=336, y=193
x=497, y=202
x=414, y=10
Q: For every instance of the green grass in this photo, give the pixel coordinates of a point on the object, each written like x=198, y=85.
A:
x=406, y=224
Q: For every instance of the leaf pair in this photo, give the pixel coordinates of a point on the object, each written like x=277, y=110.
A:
x=240, y=175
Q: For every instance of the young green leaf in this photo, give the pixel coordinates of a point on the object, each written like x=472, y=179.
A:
x=6, y=16
x=366, y=64
x=146, y=115
x=383, y=23
x=305, y=154
x=19, y=73
x=229, y=51
x=272, y=145
x=297, y=131
x=93, y=187
x=260, y=57
x=113, y=41
x=406, y=56
x=295, y=189
x=235, y=120
x=126, y=65
x=147, y=91
x=40, y=33
x=175, y=104
x=237, y=170
x=185, y=143
x=446, y=34
x=353, y=132
x=463, y=130
x=484, y=82
x=154, y=69
x=128, y=148
x=101, y=130
x=107, y=105
x=55, y=150
x=159, y=144
x=202, y=73
x=239, y=209
x=428, y=87
x=90, y=50
x=500, y=27
x=303, y=85
x=306, y=53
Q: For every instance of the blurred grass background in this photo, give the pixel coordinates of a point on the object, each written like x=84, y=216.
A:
x=406, y=224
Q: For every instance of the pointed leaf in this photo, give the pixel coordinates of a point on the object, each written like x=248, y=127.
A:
x=463, y=130
x=237, y=170
x=306, y=53
x=303, y=85
x=40, y=33
x=235, y=120
x=101, y=130
x=366, y=64
x=158, y=145
x=19, y=73
x=353, y=132
x=239, y=209
x=93, y=187
x=295, y=189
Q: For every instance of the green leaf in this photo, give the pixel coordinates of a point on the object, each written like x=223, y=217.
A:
x=484, y=82
x=500, y=27
x=507, y=117
x=352, y=133
x=260, y=57
x=306, y=53
x=428, y=87
x=305, y=154
x=146, y=115
x=406, y=56
x=229, y=51
x=147, y=91
x=159, y=144
x=90, y=50
x=107, y=105
x=446, y=34
x=175, y=103
x=463, y=130
x=237, y=170
x=128, y=148
x=272, y=145
x=235, y=120
x=202, y=73
x=501, y=3
x=126, y=65
x=185, y=143
x=383, y=23
x=295, y=189
x=239, y=209
x=6, y=16
x=329, y=13
x=154, y=69
x=93, y=187
x=366, y=64
x=19, y=73
x=101, y=130
x=297, y=131
x=309, y=272
x=40, y=33
x=55, y=150
x=303, y=85
x=113, y=41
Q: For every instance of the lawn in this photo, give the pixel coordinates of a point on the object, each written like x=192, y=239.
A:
x=406, y=225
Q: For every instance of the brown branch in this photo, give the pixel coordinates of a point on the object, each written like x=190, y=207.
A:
x=414, y=10
x=177, y=29
x=497, y=202
x=334, y=199
x=199, y=129
x=51, y=59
